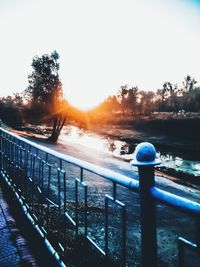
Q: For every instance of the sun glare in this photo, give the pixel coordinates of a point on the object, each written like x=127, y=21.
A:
x=83, y=101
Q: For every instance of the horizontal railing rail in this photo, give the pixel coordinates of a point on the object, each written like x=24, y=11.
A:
x=180, y=203
x=68, y=198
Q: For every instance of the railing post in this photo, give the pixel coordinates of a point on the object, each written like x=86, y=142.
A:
x=145, y=160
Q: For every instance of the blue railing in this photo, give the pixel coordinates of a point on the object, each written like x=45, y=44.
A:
x=66, y=198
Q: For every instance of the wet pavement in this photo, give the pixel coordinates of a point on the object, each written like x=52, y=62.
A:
x=14, y=251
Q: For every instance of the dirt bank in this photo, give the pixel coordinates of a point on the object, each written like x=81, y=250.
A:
x=191, y=146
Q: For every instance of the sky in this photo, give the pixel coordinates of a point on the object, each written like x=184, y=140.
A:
x=102, y=44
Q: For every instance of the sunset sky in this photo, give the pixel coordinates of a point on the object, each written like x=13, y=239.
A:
x=102, y=44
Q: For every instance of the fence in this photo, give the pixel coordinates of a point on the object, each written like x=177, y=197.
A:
x=66, y=198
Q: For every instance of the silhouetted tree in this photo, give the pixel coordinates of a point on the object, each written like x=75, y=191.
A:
x=45, y=91
x=189, y=83
x=188, y=93
x=122, y=93
x=132, y=95
x=161, y=96
x=173, y=98
x=146, y=103
x=11, y=110
x=18, y=100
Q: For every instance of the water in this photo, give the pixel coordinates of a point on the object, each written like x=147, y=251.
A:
x=124, y=150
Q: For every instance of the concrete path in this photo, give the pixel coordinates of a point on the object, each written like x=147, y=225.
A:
x=14, y=249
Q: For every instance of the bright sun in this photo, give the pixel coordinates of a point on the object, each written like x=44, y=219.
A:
x=84, y=100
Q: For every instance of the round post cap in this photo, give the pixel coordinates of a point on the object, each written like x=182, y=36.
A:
x=145, y=155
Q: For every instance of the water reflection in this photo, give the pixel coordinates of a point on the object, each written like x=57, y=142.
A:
x=124, y=150
x=180, y=164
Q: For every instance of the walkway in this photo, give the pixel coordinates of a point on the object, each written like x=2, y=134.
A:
x=14, y=251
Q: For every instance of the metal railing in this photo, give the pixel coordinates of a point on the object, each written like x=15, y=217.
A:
x=66, y=198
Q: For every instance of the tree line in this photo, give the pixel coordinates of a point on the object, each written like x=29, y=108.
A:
x=170, y=98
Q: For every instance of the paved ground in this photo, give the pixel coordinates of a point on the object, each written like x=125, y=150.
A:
x=14, y=249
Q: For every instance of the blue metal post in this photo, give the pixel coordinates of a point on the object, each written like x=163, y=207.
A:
x=148, y=217
x=145, y=160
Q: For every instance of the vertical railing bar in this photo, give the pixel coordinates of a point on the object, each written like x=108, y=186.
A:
x=114, y=190
x=23, y=171
x=39, y=171
x=123, y=216
x=59, y=204
x=28, y=164
x=6, y=144
x=8, y=147
x=37, y=204
x=31, y=165
x=11, y=150
x=76, y=206
x=15, y=154
x=20, y=171
x=181, y=253
x=65, y=193
x=86, y=208
x=81, y=174
x=64, y=209
x=49, y=181
x=2, y=142
x=2, y=146
x=20, y=153
x=198, y=234
x=47, y=156
x=2, y=153
x=5, y=156
x=42, y=176
x=60, y=163
x=33, y=182
x=26, y=175
x=106, y=228
x=48, y=195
